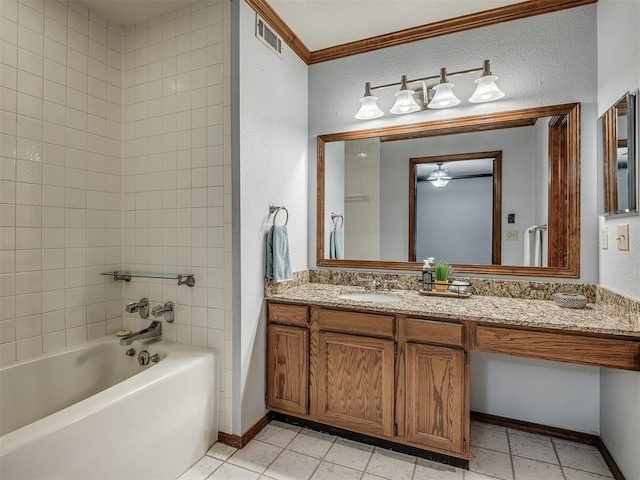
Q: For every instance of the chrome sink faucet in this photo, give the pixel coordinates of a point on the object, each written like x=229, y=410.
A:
x=166, y=310
x=372, y=283
x=153, y=330
x=142, y=307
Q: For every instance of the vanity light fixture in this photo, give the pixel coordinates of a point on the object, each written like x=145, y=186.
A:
x=369, y=108
x=405, y=102
x=486, y=91
x=439, y=177
x=444, y=97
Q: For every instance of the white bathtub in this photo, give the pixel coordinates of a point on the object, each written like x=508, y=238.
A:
x=91, y=412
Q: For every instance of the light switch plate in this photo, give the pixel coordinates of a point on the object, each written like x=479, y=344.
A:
x=511, y=235
x=622, y=236
x=604, y=238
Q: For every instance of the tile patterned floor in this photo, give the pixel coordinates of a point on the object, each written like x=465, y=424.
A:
x=285, y=452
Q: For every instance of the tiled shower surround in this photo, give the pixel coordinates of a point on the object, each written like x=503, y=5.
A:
x=60, y=176
x=177, y=174
x=114, y=155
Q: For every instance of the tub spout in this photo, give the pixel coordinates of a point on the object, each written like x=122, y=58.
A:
x=153, y=330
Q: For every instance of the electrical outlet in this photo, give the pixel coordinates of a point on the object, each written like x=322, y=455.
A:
x=622, y=236
x=604, y=238
x=511, y=235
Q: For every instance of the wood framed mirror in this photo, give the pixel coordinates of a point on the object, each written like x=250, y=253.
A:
x=362, y=176
x=619, y=126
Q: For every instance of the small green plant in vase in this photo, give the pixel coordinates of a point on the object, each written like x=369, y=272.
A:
x=443, y=270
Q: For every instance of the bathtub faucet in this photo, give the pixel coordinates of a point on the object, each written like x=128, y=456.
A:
x=142, y=307
x=153, y=330
x=165, y=310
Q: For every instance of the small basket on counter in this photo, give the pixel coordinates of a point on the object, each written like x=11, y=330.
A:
x=570, y=300
x=456, y=288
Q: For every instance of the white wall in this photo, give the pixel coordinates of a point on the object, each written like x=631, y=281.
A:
x=619, y=52
x=177, y=178
x=542, y=60
x=454, y=223
x=272, y=168
x=60, y=142
x=563, y=395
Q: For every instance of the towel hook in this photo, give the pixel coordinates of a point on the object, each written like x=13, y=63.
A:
x=335, y=216
x=276, y=209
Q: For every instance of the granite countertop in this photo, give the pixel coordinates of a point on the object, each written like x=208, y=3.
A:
x=511, y=311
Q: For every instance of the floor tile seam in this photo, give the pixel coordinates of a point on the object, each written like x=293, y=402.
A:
x=368, y=461
x=536, y=459
x=570, y=443
x=415, y=466
x=321, y=459
x=609, y=475
x=325, y=453
x=353, y=468
x=513, y=467
x=579, y=469
x=415, y=461
x=553, y=444
x=282, y=449
x=502, y=453
x=214, y=470
x=271, y=463
x=207, y=454
x=493, y=450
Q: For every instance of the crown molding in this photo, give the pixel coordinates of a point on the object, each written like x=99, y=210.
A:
x=485, y=18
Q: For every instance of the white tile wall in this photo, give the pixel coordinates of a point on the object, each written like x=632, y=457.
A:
x=176, y=198
x=362, y=216
x=60, y=176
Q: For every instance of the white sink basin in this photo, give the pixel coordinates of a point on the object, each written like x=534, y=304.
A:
x=370, y=297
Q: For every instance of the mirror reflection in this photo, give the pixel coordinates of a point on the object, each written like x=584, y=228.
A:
x=497, y=194
x=468, y=184
x=619, y=127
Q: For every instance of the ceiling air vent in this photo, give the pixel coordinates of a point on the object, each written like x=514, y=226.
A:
x=268, y=36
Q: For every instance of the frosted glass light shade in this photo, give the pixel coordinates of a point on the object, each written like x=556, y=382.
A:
x=405, y=103
x=444, y=97
x=439, y=183
x=487, y=90
x=439, y=177
x=369, y=108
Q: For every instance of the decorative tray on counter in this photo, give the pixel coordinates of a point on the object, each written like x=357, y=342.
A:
x=446, y=293
x=457, y=288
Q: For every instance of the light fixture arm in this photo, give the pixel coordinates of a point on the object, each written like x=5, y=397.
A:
x=485, y=69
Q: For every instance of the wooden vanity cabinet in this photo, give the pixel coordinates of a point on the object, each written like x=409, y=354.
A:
x=288, y=358
x=392, y=377
x=356, y=383
x=437, y=385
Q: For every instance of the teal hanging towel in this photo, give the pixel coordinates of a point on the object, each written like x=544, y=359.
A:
x=278, y=263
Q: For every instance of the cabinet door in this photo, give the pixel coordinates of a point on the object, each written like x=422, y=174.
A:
x=435, y=396
x=356, y=382
x=288, y=368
